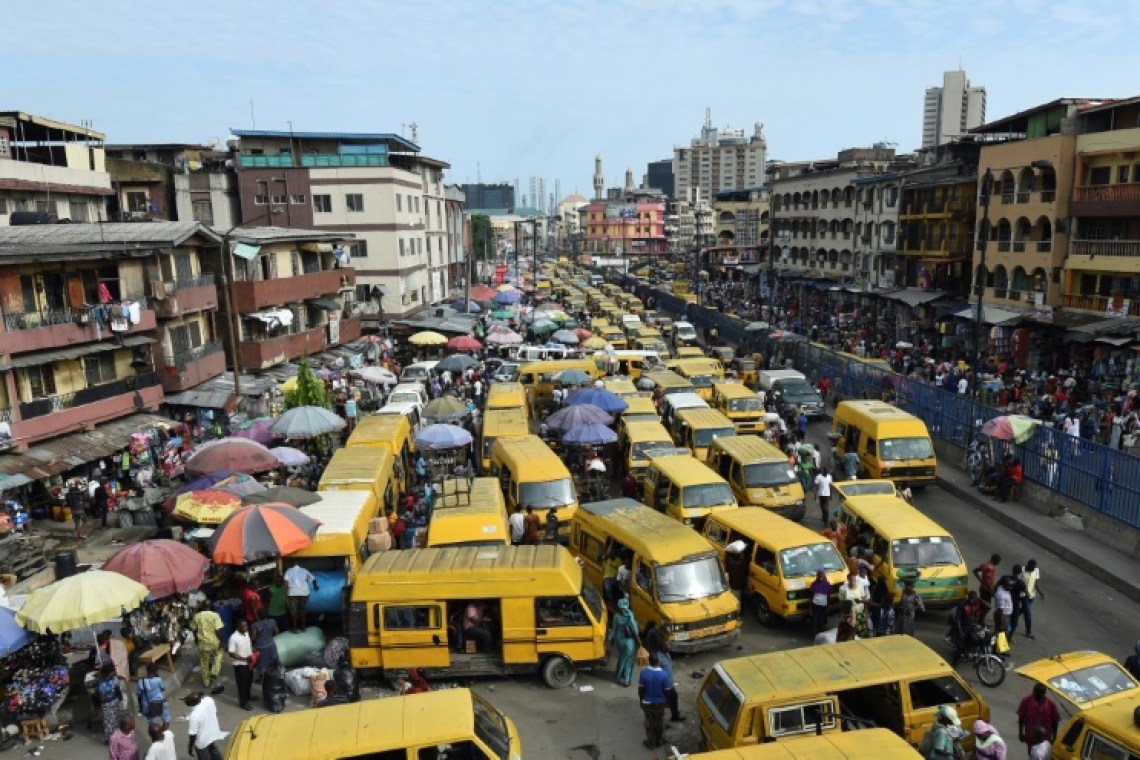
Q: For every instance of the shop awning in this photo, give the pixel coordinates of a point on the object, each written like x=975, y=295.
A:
x=1115, y=327
x=75, y=352
x=204, y=399
x=325, y=303
x=915, y=296
x=316, y=247
x=14, y=481
x=246, y=251
x=991, y=315
x=1115, y=341
x=75, y=449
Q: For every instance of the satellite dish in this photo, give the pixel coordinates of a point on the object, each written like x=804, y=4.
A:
x=213, y=143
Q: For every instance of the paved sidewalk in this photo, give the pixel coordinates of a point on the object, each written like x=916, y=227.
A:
x=1063, y=536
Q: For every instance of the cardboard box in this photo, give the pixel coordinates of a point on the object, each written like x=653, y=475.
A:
x=378, y=525
x=379, y=542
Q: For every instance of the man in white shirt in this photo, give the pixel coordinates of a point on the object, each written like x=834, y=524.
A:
x=161, y=744
x=823, y=494
x=240, y=649
x=297, y=580
x=963, y=385
x=202, y=724
x=518, y=525
x=556, y=394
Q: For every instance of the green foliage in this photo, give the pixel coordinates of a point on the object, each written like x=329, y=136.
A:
x=482, y=237
x=310, y=390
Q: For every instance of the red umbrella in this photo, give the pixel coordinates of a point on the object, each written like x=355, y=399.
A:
x=483, y=293
x=237, y=454
x=583, y=334
x=260, y=532
x=464, y=343
x=165, y=567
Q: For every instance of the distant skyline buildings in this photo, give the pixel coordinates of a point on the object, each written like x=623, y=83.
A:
x=952, y=109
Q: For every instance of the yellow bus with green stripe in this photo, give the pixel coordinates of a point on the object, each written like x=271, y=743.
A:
x=904, y=546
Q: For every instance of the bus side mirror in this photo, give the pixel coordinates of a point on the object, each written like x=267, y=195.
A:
x=435, y=640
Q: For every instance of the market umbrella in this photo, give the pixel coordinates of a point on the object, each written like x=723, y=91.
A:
x=483, y=293
x=583, y=333
x=427, y=338
x=445, y=408
x=756, y=326
x=572, y=377
x=464, y=343
x=595, y=342
x=377, y=375
x=503, y=314
x=434, y=437
x=455, y=363
x=565, y=336
x=1015, y=427
x=208, y=507
x=12, y=635
x=505, y=288
x=80, y=600
x=296, y=497
x=570, y=417
x=590, y=434
x=549, y=306
x=231, y=454
x=289, y=456
x=240, y=486
x=509, y=296
x=165, y=567
x=544, y=327
x=467, y=308
x=209, y=480
x=504, y=338
x=258, y=431
x=306, y=422
x=605, y=400
x=260, y=532
x=369, y=339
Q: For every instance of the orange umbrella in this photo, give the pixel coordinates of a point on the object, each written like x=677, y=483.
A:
x=260, y=532
x=208, y=507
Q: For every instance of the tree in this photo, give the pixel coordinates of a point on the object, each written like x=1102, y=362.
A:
x=310, y=390
x=482, y=237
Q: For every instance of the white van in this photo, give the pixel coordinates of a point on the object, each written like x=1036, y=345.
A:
x=411, y=393
x=684, y=334
x=675, y=402
x=414, y=412
x=418, y=372
x=543, y=353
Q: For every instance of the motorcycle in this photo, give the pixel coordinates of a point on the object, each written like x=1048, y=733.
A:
x=988, y=664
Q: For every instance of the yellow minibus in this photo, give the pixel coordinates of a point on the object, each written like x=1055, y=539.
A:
x=507, y=396
x=869, y=744
x=500, y=423
x=362, y=469
x=696, y=429
x=469, y=514
x=530, y=474
x=339, y=548
x=741, y=405
x=538, y=377
x=635, y=440
x=392, y=432
x=890, y=443
x=684, y=489
x=759, y=474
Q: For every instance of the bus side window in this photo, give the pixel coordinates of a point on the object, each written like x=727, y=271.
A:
x=871, y=447
x=465, y=750
x=716, y=533
x=1069, y=740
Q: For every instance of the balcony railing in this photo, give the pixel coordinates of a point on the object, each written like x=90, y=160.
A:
x=1019, y=246
x=1097, y=303
x=1004, y=246
x=180, y=360
x=1126, y=192
x=1044, y=246
x=1023, y=197
x=185, y=283
x=6, y=416
x=1106, y=248
x=44, y=406
x=1048, y=196
x=32, y=320
x=1008, y=198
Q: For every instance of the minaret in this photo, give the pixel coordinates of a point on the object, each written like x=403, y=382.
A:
x=629, y=180
x=599, y=179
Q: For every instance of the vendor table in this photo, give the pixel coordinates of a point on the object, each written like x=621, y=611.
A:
x=159, y=654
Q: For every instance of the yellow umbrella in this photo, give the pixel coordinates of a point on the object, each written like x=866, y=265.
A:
x=505, y=288
x=290, y=384
x=206, y=507
x=427, y=338
x=81, y=600
x=594, y=342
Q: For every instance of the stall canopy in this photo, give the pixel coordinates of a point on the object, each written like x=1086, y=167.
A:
x=991, y=315
x=325, y=303
x=75, y=352
x=76, y=449
x=914, y=296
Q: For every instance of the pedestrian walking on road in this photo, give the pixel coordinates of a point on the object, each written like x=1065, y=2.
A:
x=652, y=689
x=988, y=744
x=1031, y=590
x=240, y=649
x=820, y=596
x=531, y=527
x=1038, y=710
x=823, y=493
x=986, y=573
x=624, y=635
x=202, y=723
x=908, y=605
x=123, y=744
x=206, y=625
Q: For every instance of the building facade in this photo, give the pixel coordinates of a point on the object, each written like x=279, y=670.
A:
x=625, y=228
x=51, y=168
x=659, y=175
x=720, y=159
x=741, y=217
x=487, y=195
x=458, y=235
x=289, y=294
x=100, y=319
x=1102, y=271
x=375, y=188
x=951, y=110
x=172, y=182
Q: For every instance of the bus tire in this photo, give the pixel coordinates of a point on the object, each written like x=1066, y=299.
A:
x=764, y=615
x=558, y=672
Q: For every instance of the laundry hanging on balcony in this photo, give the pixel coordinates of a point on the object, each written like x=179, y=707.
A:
x=273, y=317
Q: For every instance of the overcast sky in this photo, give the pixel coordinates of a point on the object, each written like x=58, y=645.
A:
x=530, y=87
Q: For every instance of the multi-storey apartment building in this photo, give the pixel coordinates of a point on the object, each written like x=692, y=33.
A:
x=719, y=159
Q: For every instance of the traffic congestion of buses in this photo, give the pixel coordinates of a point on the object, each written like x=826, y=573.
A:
x=703, y=484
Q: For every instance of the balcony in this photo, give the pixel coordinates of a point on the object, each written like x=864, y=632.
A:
x=183, y=371
x=1099, y=304
x=269, y=352
x=185, y=295
x=1106, y=200
x=1128, y=248
x=251, y=296
x=56, y=328
x=55, y=415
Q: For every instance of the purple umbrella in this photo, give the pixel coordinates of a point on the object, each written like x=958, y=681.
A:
x=591, y=434
x=442, y=436
x=573, y=416
x=258, y=431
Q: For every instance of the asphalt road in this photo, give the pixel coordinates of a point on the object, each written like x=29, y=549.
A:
x=597, y=719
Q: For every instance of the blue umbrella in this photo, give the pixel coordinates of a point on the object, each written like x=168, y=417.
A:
x=12, y=635
x=509, y=296
x=605, y=400
x=571, y=417
x=590, y=434
x=470, y=307
x=435, y=437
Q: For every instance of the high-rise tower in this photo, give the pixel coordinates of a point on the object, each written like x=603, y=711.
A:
x=599, y=179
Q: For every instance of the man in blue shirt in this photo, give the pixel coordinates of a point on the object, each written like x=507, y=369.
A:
x=653, y=686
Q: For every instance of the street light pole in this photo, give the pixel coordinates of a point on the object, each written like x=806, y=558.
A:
x=982, y=245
